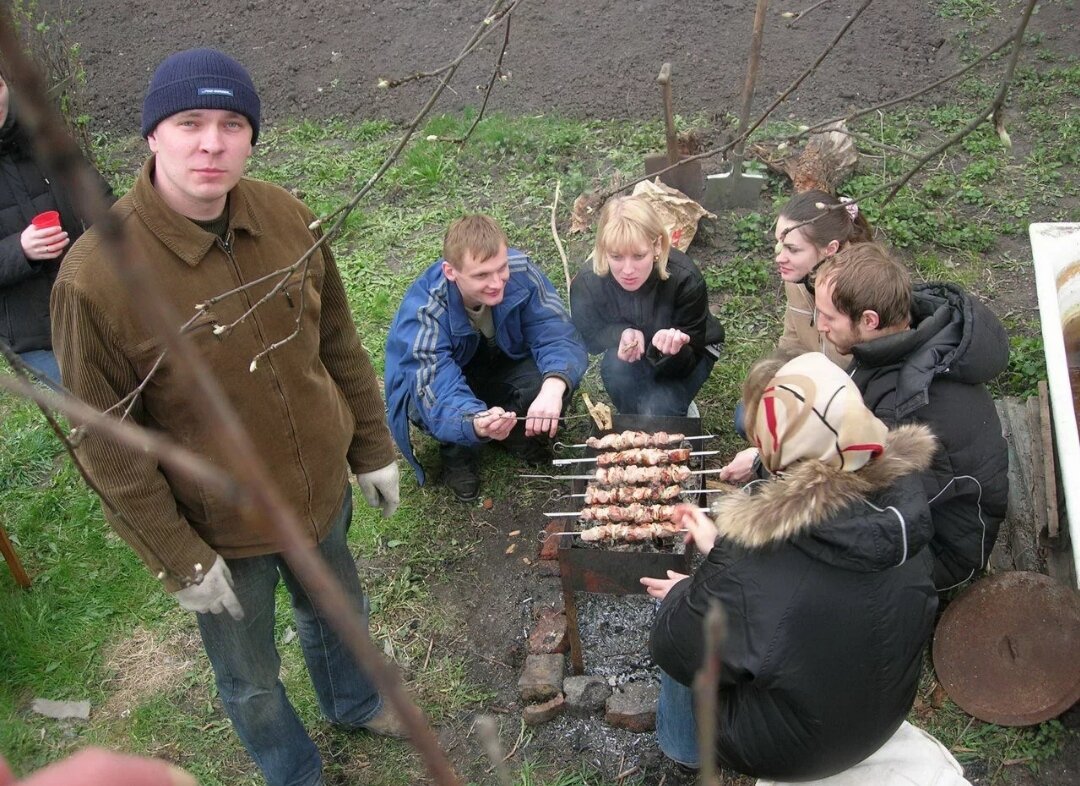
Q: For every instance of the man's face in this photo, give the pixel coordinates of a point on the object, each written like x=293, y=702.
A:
x=839, y=329
x=200, y=157
x=481, y=282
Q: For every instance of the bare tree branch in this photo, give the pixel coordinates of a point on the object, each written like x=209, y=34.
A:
x=706, y=693
x=489, y=24
x=496, y=73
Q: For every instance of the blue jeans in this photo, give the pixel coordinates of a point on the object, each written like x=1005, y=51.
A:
x=676, y=728
x=43, y=363
x=636, y=390
x=246, y=661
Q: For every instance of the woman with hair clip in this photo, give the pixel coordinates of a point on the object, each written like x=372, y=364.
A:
x=644, y=306
x=810, y=228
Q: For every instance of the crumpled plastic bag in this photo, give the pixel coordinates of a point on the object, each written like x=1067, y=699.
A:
x=679, y=212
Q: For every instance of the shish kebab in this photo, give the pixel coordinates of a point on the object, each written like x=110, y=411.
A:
x=617, y=476
x=635, y=513
x=626, y=533
x=634, y=439
x=646, y=457
x=597, y=495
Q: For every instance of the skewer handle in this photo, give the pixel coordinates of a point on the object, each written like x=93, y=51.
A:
x=587, y=459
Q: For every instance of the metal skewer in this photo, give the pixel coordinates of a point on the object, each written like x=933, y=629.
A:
x=565, y=446
x=577, y=514
x=593, y=477
x=587, y=459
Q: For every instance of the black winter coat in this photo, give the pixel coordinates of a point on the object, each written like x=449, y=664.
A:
x=829, y=606
x=602, y=310
x=27, y=189
x=935, y=374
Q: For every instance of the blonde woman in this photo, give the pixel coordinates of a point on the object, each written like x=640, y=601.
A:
x=644, y=306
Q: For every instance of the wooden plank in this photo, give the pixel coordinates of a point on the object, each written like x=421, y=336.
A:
x=1049, y=471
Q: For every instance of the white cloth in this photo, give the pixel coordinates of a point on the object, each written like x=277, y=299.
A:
x=213, y=595
x=910, y=757
x=381, y=488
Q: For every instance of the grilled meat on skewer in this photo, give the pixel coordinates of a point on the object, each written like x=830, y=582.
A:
x=634, y=512
x=634, y=439
x=629, y=534
x=595, y=495
x=629, y=475
x=644, y=457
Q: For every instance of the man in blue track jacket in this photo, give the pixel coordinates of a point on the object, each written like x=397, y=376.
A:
x=480, y=337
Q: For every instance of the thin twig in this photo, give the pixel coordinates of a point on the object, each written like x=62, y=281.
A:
x=496, y=73
x=706, y=693
x=558, y=242
x=793, y=18
x=489, y=24
x=517, y=742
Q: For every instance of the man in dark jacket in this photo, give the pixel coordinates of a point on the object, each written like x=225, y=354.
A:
x=924, y=355
x=823, y=577
x=30, y=255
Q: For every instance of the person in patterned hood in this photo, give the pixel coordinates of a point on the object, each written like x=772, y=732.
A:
x=824, y=580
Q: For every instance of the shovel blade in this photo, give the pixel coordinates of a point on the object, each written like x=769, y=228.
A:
x=686, y=178
x=732, y=189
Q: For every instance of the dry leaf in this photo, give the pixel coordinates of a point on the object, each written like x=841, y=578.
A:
x=584, y=212
x=515, y=533
x=511, y=548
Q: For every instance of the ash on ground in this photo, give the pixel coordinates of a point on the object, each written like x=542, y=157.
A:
x=615, y=636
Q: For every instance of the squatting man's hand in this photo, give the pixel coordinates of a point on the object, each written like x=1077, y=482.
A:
x=41, y=243
x=96, y=767
x=631, y=346
x=495, y=423
x=670, y=341
x=213, y=595
x=543, y=416
x=741, y=468
x=381, y=488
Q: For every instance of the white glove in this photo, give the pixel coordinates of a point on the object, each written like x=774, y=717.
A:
x=380, y=488
x=214, y=594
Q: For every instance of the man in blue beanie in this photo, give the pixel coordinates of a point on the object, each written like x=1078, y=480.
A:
x=286, y=355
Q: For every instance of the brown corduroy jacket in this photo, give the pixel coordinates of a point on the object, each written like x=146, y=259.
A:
x=800, y=335
x=312, y=406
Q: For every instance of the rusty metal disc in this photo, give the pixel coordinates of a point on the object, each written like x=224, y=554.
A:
x=1007, y=650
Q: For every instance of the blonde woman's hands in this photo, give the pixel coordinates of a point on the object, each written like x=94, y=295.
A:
x=631, y=345
x=670, y=341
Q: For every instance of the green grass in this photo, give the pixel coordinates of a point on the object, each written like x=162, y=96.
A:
x=964, y=219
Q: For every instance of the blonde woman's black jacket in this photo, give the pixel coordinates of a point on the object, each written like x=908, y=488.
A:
x=26, y=189
x=936, y=374
x=829, y=602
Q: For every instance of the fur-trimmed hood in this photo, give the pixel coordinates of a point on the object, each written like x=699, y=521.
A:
x=812, y=495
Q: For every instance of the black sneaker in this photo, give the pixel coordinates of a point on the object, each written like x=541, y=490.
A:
x=532, y=450
x=460, y=472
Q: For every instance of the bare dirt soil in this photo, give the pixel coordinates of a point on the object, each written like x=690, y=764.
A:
x=322, y=58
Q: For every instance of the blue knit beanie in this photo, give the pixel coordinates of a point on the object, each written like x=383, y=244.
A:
x=199, y=79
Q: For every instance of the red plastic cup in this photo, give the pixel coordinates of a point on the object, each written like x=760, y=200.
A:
x=50, y=218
